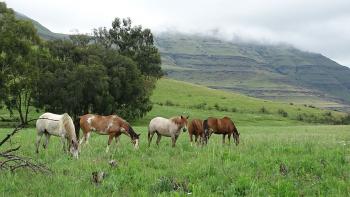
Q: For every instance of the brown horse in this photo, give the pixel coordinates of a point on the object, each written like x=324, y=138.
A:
x=195, y=127
x=112, y=125
x=223, y=126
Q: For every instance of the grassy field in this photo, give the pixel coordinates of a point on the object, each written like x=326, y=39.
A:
x=316, y=157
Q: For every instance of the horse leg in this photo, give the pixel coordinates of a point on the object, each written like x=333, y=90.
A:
x=158, y=138
x=173, y=139
x=223, y=138
x=229, y=138
x=37, y=143
x=47, y=138
x=110, y=138
x=196, y=139
x=63, y=140
x=191, y=140
x=117, y=139
x=150, y=136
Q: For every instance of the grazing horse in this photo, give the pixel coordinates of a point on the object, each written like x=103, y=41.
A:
x=195, y=127
x=167, y=127
x=112, y=125
x=57, y=125
x=223, y=126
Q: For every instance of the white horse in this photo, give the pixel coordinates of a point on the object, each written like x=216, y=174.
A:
x=60, y=126
x=166, y=127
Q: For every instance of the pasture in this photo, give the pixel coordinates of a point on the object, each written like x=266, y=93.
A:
x=278, y=155
x=316, y=160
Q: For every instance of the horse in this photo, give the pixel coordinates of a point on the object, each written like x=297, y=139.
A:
x=58, y=125
x=223, y=126
x=195, y=127
x=167, y=127
x=111, y=125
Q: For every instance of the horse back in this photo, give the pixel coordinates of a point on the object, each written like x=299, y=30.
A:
x=96, y=122
x=195, y=127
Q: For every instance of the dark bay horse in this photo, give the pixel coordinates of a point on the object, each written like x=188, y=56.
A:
x=195, y=127
x=112, y=125
x=223, y=126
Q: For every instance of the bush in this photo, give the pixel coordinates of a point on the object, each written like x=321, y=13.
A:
x=282, y=113
x=233, y=109
x=263, y=110
x=199, y=106
x=169, y=103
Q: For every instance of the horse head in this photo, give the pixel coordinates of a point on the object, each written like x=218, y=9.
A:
x=236, y=136
x=135, y=138
x=184, y=123
x=74, y=148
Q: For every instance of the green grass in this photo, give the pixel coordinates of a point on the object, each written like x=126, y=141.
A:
x=315, y=155
x=174, y=98
x=316, y=158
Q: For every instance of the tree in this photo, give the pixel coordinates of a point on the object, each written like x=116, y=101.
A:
x=133, y=42
x=114, y=74
x=19, y=47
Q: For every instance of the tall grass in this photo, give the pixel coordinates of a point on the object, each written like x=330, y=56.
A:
x=316, y=158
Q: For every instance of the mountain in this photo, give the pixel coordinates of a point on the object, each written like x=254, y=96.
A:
x=274, y=72
x=42, y=31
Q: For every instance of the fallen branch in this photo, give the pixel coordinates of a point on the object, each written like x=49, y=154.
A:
x=12, y=162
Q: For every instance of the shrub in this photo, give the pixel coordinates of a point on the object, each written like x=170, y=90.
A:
x=233, y=109
x=169, y=103
x=263, y=110
x=282, y=113
x=199, y=106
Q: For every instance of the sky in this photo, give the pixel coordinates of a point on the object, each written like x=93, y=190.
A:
x=321, y=26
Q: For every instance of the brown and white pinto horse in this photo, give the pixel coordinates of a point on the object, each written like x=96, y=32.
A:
x=223, y=126
x=195, y=127
x=112, y=125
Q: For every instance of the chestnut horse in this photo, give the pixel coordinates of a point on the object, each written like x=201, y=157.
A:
x=167, y=127
x=195, y=127
x=112, y=125
x=223, y=126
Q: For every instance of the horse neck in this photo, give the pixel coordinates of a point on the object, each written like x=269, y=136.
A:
x=69, y=128
x=128, y=129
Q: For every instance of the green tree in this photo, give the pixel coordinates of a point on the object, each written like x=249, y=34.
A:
x=19, y=50
x=133, y=42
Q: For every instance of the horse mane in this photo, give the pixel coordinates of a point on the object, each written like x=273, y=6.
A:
x=177, y=120
x=68, y=125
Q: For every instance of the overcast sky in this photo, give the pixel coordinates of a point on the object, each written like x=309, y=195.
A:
x=321, y=26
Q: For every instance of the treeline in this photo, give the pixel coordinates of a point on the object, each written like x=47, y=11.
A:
x=111, y=71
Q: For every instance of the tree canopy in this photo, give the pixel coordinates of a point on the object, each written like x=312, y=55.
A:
x=111, y=72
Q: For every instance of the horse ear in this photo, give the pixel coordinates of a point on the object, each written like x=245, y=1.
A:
x=182, y=117
x=187, y=117
x=139, y=134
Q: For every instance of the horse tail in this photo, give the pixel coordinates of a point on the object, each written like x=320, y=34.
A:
x=77, y=126
x=205, y=126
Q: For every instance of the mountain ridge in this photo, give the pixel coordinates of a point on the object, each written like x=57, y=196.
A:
x=276, y=72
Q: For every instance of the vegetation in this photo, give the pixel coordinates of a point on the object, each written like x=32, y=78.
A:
x=79, y=75
x=314, y=160
x=18, y=69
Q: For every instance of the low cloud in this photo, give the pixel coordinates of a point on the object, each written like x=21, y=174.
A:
x=320, y=26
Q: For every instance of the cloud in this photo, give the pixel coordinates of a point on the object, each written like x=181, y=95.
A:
x=315, y=25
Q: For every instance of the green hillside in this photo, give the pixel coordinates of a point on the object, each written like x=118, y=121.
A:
x=274, y=72
x=173, y=97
